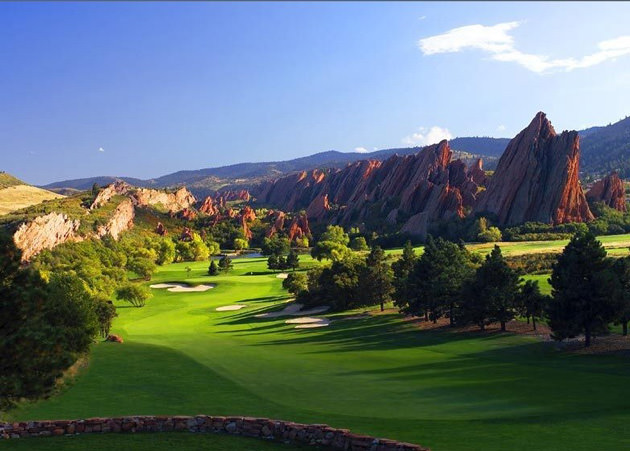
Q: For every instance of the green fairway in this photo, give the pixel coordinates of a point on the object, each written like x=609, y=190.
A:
x=616, y=245
x=378, y=375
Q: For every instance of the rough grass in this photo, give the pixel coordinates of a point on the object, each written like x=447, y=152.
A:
x=7, y=180
x=378, y=375
x=21, y=196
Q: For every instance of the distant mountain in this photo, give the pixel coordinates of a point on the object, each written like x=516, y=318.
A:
x=606, y=149
x=203, y=181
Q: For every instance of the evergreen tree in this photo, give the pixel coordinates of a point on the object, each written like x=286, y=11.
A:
x=581, y=282
x=293, y=260
x=213, y=269
x=434, y=285
x=621, y=268
x=491, y=295
x=377, y=279
x=401, y=269
x=272, y=262
x=530, y=302
x=225, y=264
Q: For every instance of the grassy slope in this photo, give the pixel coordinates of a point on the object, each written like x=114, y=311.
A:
x=15, y=194
x=378, y=375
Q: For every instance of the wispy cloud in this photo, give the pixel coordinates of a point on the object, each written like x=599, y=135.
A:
x=361, y=150
x=501, y=128
x=499, y=43
x=100, y=149
x=424, y=137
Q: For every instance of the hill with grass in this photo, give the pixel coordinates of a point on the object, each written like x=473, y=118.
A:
x=16, y=194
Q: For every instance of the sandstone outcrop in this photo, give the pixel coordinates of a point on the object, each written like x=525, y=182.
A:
x=299, y=228
x=118, y=188
x=537, y=179
x=188, y=214
x=427, y=182
x=278, y=218
x=120, y=221
x=115, y=338
x=208, y=207
x=45, y=232
x=187, y=234
x=228, y=196
x=246, y=216
x=173, y=202
x=609, y=190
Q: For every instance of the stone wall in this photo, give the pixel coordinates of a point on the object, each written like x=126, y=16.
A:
x=264, y=428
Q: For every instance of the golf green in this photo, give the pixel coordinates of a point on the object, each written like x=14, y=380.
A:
x=380, y=375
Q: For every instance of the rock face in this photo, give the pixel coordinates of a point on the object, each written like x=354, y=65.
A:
x=120, y=221
x=537, y=179
x=174, y=202
x=609, y=190
x=188, y=214
x=426, y=184
x=119, y=187
x=299, y=228
x=228, y=196
x=161, y=230
x=45, y=232
x=246, y=216
x=208, y=207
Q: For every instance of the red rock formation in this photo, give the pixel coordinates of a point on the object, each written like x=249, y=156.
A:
x=161, y=230
x=187, y=235
x=425, y=182
x=278, y=218
x=299, y=228
x=609, y=190
x=235, y=195
x=247, y=215
x=318, y=208
x=537, y=179
x=188, y=214
x=208, y=207
x=231, y=213
x=477, y=173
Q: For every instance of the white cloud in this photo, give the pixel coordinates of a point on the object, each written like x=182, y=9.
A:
x=361, y=150
x=424, y=137
x=501, y=128
x=497, y=41
x=100, y=149
x=422, y=17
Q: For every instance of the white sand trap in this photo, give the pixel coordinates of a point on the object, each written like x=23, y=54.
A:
x=361, y=316
x=308, y=322
x=182, y=287
x=229, y=308
x=282, y=275
x=311, y=326
x=294, y=309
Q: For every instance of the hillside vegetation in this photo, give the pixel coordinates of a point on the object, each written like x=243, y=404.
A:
x=15, y=194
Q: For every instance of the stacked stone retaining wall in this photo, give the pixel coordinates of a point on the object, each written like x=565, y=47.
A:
x=282, y=431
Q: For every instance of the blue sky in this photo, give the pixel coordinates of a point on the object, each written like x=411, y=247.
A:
x=144, y=89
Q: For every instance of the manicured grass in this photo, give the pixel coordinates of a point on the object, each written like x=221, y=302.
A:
x=379, y=375
x=140, y=442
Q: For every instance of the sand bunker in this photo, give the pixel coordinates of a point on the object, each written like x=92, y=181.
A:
x=182, y=287
x=282, y=275
x=294, y=309
x=229, y=308
x=308, y=322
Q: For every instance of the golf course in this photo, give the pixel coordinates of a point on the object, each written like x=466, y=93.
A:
x=378, y=374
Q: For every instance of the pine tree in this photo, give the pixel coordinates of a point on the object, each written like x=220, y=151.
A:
x=581, y=281
x=213, y=269
x=378, y=278
x=402, y=268
x=272, y=262
x=293, y=260
x=530, y=301
x=225, y=264
x=491, y=295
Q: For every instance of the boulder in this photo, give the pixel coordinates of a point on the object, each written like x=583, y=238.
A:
x=160, y=229
x=114, y=338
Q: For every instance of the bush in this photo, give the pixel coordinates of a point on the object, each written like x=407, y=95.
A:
x=135, y=294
